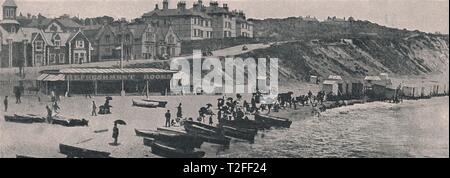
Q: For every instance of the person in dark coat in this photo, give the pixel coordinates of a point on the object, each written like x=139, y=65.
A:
x=168, y=115
x=94, y=109
x=179, y=111
x=115, y=134
x=5, y=103
x=211, y=120
x=49, y=114
x=17, y=94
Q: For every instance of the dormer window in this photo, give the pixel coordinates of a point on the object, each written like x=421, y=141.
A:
x=57, y=41
x=39, y=45
x=79, y=44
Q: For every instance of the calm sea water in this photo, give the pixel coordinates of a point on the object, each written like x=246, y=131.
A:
x=411, y=129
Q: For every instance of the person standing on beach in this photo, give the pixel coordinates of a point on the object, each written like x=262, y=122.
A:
x=211, y=120
x=56, y=107
x=168, y=118
x=94, y=109
x=49, y=114
x=5, y=102
x=115, y=134
x=17, y=94
x=179, y=111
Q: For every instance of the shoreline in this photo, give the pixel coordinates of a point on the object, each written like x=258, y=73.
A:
x=42, y=140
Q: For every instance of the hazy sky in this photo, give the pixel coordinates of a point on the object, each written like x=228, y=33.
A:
x=424, y=15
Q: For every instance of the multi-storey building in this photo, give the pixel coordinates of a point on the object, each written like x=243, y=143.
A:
x=223, y=20
x=244, y=28
x=201, y=22
x=188, y=24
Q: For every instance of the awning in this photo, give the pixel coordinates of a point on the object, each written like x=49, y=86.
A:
x=42, y=77
x=54, y=78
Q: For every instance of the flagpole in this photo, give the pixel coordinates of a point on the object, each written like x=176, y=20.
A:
x=122, y=93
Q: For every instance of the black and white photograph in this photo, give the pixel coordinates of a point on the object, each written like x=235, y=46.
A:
x=224, y=79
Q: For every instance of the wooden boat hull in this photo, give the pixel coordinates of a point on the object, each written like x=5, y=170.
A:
x=67, y=122
x=145, y=104
x=216, y=129
x=173, y=139
x=239, y=134
x=161, y=104
x=207, y=135
x=25, y=119
x=161, y=149
x=246, y=124
x=273, y=121
x=76, y=152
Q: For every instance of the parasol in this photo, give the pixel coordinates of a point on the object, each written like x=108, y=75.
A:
x=120, y=122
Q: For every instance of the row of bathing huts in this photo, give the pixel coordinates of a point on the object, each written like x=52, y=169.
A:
x=380, y=88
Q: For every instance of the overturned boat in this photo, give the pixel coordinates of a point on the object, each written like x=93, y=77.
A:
x=26, y=119
x=145, y=104
x=161, y=104
x=69, y=122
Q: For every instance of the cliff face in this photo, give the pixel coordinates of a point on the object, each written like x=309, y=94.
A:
x=357, y=57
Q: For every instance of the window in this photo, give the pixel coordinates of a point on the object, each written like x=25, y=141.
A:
x=52, y=58
x=38, y=59
x=61, y=58
x=39, y=45
x=128, y=38
x=148, y=36
x=79, y=44
x=119, y=38
x=79, y=58
x=107, y=38
x=82, y=58
x=171, y=39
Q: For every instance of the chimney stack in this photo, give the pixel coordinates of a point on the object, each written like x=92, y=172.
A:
x=181, y=5
x=225, y=6
x=165, y=4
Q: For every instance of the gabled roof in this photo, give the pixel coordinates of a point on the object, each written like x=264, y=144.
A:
x=65, y=22
x=29, y=32
x=9, y=3
x=139, y=30
x=175, y=12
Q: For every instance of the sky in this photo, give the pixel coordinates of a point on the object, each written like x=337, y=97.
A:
x=424, y=15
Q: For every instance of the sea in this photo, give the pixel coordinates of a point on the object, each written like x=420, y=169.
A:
x=413, y=129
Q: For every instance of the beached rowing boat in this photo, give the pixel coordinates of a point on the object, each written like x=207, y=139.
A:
x=161, y=104
x=245, y=124
x=164, y=150
x=210, y=127
x=27, y=119
x=77, y=152
x=239, y=133
x=173, y=139
x=68, y=122
x=207, y=135
x=145, y=104
x=171, y=130
x=273, y=121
